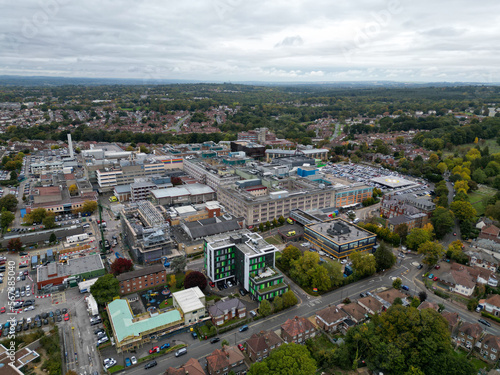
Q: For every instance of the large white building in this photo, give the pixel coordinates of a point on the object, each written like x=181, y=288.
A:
x=192, y=304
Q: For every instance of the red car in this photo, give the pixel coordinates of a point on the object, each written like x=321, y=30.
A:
x=437, y=267
x=2, y=310
x=156, y=349
x=66, y=317
x=212, y=284
x=241, y=347
x=435, y=278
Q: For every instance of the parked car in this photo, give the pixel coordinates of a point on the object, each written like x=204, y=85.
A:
x=437, y=267
x=244, y=328
x=127, y=362
x=133, y=360
x=194, y=334
x=241, y=347
x=156, y=349
x=150, y=365
x=485, y=322
x=214, y=340
x=405, y=287
x=165, y=346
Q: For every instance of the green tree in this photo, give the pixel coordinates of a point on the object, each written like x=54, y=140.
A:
x=334, y=271
x=288, y=255
x=415, y=302
x=402, y=231
x=9, y=202
x=105, y=289
x=49, y=222
x=320, y=279
x=479, y=176
x=178, y=264
x=6, y=218
x=417, y=237
x=261, y=227
x=289, y=299
x=384, y=257
x=89, y=206
x=463, y=210
x=224, y=343
x=364, y=263
x=278, y=303
x=265, y=308
x=282, y=220
x=52, y=238
x=13, y=176
x=290, y=359
x=493, y=210
x=396, y=284
x=14, y=244
x=432, y=251
x=443, y=221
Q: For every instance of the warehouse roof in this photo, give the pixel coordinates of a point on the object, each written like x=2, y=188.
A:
x=189, y=299
x=124, y=326
x=177, y=191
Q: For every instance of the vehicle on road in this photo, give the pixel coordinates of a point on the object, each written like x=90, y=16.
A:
x=244, y=328
x=165, y=346
x=150, y=365
x=485, y=322
x=156, y=349
x=214, y=340
x=180, y=352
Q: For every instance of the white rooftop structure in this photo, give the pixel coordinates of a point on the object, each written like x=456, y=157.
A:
x=190, y=189
x=189, y=299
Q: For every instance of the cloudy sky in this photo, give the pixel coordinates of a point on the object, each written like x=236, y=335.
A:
x=237, y=40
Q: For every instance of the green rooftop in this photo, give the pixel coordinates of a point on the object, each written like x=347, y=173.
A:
x=121, y=319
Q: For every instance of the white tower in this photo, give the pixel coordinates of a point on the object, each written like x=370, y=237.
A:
x=70, y=146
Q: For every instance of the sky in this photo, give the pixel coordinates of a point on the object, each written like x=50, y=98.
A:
x=238, y=40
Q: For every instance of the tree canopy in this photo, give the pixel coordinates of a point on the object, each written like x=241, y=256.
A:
x=105, y=289
x=364, y=263
x=195, y=278
x=288, y=359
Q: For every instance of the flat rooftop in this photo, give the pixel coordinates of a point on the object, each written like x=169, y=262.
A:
x=248, y=242
x=74, y=266
x=340, y=231
x=392, y=181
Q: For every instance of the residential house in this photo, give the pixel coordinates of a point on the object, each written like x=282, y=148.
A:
x=490, y=348
x=483, y=259
x=468, y=334
x=428, y=305
x=191, y=367
x=453, y=320
x=330, y=318
x=387, y=297
x=227, y=359
x=297, y=330
x=225, y=310
x=490, y=232
x=492, y=305
x=260, y=345
x=457, y=278
x=356, y=312
x=371, y=304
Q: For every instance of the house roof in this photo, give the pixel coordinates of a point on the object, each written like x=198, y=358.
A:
x=428, y=305
x=355, y=311
x=471, y=329
x=263, y=340
x=490, y=230
x=390, y=295
x=142, y=272
x=452, y=318
x=494, y=300
x=331, y=314
x=227, y=305
x=124, y=325
x=224, y=357
x=371, y=303
x=296, y=325
x=191, y=367
x=190, y=299
x=462, y=277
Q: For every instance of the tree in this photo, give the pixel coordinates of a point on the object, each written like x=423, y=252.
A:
x=282, y=220
x=14, y=244
x=6, y=218
x=417, y=237
x=461, y=186
x=396, y=284
x=36, y=216
x=320, y=278
x=224, y=343
x=278, y=303
x=422, y=296
x=463, y=210
x=265, y=308
x=397, y=301
x=261, y=227
x=288, y=255
x=402, y=231
x=364, y=264
x=105, y=289
x=195, y=278
x=289, y=299
x=49, y=222
x=384, y=257
x=13, y=176
x=432, y=251
x=290, y=359
x=443, y=221
x=178, y=264
x=73, y=189
x=493, y=210
x=52, y=238
x=479, y=176
x=121, y=265
x=172, y=281
x=9, y=202
x=415, y=302
x=89, y=206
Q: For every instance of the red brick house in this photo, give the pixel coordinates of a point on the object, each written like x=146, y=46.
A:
x=371, y=305
x=223, y=311
x=297, y=330
x=229, y=358
x=191, y=367
x=145, y=278
x=490, y=348
x=260, y=345
x=490, y=232
x=330, y=318
x=468, y=334
x=453, y=320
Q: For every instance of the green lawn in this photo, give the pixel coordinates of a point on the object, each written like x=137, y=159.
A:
x=479, y=197
x=169, y=302
x=115, y=368
x=476, y=363
x=274, y=240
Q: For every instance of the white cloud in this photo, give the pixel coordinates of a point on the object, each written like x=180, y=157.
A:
x=260, y=40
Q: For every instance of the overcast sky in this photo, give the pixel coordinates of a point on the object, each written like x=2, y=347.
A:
x=237, y=40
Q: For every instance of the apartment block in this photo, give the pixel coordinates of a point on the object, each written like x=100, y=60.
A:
x=146, y=278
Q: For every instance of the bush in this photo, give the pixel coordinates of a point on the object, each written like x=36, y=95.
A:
x=490, y=316
x=441, y=294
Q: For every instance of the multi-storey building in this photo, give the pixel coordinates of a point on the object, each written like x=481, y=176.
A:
x=339, y=238
x=213, y=176
x=145, y=278
x=247, y=258
x=353, y=195
x=314, y=153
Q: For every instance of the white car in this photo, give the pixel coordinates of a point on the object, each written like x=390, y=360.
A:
x=102, y=340
x=29, y=308
x=134, y=360
x=110, y=364
x=28, y=320
x=107, y=360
